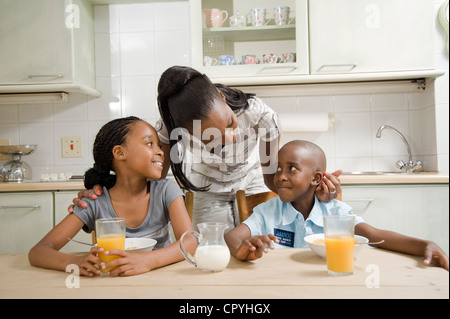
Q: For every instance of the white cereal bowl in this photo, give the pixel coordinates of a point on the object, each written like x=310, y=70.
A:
x=139, y=244
x=319, y=249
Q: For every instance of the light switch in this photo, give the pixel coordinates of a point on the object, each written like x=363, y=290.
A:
x=71, y=147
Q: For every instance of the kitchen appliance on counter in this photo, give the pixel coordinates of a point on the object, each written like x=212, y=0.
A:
x=16, y=170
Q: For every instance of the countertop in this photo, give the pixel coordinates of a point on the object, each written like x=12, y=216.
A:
x=280, y=274
x=76, y=185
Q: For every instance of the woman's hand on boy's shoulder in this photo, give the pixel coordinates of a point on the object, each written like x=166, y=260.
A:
x=85, y=193
x=434, y=255
x=330, y=187
x=255, y=247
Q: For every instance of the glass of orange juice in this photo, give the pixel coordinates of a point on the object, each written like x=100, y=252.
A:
x=110, y=233
x=339, y=244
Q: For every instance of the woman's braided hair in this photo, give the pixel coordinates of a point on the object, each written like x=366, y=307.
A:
x=111, y=134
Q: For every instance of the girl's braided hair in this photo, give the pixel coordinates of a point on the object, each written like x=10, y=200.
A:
x=111, y=134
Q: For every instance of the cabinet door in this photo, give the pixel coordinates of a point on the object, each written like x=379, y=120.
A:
x=25, y=218
x=282, y=42
x=351, y=36
x=62, y=201
x=36, y=42
x=420, y=211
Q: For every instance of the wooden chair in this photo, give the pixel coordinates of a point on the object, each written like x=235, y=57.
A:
x=188, y=201
x=247, y=203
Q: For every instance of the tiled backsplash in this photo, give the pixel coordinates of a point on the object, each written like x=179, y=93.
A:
x=135, y=43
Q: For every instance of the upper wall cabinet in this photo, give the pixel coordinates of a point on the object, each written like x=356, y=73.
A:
x=356, y=36
x=47, y=45
x=252, y=38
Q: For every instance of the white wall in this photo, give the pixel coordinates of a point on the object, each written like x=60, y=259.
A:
x=136, y=43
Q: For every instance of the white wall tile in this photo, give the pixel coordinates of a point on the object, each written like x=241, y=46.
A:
x=442, y=127
x=41, y=134
x=136, y=17
x=109, y=105
x=36, y=113
x=74, y=110
x=9, y=114
x=171, y=15
x=137, y=53
x=107, y=54
x=353, y=135
x=389, y=102
x=138, y=96
x=352, y=103
x=173, y=49
x=11, y=132
x=282, y=104
x=315, y=103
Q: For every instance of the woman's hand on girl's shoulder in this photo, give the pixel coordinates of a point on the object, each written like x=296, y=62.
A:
x=85, y=193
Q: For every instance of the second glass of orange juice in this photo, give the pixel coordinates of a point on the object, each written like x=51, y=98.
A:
x=339, y=244
x=110, y=233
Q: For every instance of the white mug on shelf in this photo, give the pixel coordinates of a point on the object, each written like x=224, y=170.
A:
x=281, y=15
x=258, y=17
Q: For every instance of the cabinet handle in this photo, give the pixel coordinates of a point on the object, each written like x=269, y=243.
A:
x=56, y=76
x=271, y=68
x=333, y=67
x=20, y=206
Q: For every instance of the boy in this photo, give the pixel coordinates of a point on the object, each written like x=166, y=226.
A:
x=284, y=221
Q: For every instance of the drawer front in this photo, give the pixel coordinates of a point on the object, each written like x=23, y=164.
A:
x=24, y=219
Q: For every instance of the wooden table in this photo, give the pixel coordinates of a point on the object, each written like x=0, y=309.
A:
x=283, y=273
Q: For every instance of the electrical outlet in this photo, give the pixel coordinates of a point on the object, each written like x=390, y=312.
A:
x=71, y=147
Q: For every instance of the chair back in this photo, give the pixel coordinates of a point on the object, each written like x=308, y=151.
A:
x=247, y=203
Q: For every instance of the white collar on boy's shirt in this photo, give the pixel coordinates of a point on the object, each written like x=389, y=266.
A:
x=315, y=216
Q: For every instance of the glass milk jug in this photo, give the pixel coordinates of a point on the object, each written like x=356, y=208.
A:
x=207, y=250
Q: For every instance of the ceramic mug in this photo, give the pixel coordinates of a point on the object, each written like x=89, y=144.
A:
x=288, y=58
x=258, y=17
x=209, y=61
x=281, y=15
x=249, y=59
x=226, y=60
x=238, y=21
x=215, y=17
x=271, y=59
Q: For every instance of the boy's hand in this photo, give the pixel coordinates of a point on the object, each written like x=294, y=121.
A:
x=92, y=194
x=254, y=247
x=434, y=255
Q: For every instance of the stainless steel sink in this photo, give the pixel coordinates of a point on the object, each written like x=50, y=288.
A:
x=378, y=173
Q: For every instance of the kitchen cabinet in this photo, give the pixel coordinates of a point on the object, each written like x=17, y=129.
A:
x=356, y=36
x=48, y=46
x=24, y=219
x=62, y=201
x=419, y=210
x=209, y=43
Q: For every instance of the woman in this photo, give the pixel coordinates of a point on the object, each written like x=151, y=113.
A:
x=220, y=140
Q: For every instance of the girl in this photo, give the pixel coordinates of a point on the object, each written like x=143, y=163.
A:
x=220, y=140
x=130, y=148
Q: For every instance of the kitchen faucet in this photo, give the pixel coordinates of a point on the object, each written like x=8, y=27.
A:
x=411, y=166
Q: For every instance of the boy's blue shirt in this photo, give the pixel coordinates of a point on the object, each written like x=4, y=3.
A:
x=286, y=223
